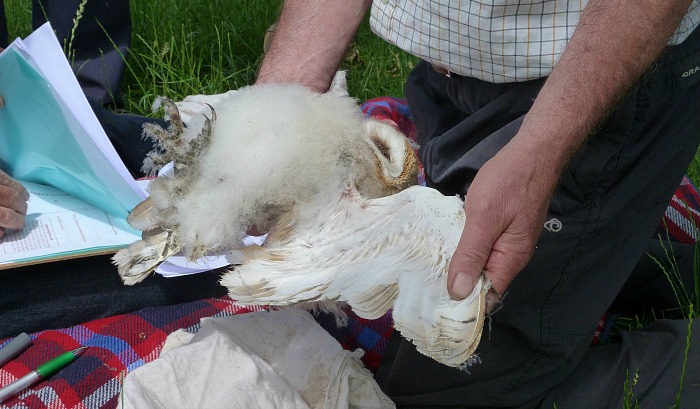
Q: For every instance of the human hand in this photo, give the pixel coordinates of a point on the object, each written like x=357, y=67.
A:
x=505, y=208
x=13, y=203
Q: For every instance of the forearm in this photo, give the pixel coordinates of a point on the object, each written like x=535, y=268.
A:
x=613, y=45
x=311, y=38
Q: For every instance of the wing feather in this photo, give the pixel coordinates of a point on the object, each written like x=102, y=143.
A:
x=377, y=254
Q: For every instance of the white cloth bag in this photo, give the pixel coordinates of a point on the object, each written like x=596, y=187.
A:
x=266, y=359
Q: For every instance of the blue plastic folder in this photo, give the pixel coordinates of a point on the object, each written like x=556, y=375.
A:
x=44, y=140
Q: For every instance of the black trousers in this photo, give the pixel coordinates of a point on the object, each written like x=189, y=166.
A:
x=535, y=351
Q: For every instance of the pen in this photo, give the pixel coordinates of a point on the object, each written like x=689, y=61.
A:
x=44, y=370
x=14, y=348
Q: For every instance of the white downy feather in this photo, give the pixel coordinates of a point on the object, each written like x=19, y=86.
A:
x=269, y=147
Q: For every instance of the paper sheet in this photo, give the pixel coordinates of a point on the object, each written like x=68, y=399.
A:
x=59, y=225
x=50, y=135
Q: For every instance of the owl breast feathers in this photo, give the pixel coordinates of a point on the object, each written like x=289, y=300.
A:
x=334, y=191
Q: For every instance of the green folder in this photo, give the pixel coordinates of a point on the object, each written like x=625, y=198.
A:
x=43, y=140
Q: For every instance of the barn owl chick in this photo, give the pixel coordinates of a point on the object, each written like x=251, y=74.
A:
x=254, y=155
x=373, y=254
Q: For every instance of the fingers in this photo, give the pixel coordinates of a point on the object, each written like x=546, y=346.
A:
x=499, y=236
x=471, y=255
x=6, y=180
x=497, y=242
x=510, y=253
x=10, y=218
x=13, y=203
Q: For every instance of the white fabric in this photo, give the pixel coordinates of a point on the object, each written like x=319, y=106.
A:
x=492, y=40
x=280, y=359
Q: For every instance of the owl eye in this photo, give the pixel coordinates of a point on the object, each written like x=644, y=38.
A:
x=382, y=146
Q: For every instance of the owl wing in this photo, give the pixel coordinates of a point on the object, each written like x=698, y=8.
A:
x=448, y=330
x=373, y=254
x=320, y=252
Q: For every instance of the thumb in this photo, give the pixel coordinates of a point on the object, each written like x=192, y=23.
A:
x=469, y=259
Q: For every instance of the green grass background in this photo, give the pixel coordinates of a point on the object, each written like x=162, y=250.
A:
x=184, y=47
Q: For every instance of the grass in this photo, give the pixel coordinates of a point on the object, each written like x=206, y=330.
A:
x=630, y=401
x=183, y=47
x=204, y=47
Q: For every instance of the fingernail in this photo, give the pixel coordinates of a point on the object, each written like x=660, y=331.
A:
x=462, y=285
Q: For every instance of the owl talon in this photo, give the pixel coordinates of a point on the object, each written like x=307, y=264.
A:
x=172, y=113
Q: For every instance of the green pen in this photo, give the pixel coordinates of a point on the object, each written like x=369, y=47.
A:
x=44, y=371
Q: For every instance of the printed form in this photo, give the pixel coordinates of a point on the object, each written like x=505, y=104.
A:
x=58, y=223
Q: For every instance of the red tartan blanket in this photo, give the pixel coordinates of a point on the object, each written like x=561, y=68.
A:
x=122, y=343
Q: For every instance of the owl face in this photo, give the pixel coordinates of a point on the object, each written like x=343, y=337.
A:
x=394, y=158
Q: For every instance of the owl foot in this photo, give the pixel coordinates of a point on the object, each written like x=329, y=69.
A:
x=172, y=144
